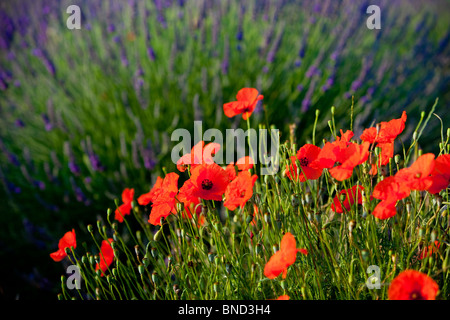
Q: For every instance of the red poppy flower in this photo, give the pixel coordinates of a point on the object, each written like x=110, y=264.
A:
x=244, y=163
x=106, y=256
x=190, y=202
x=440, y=176
x=388, y=131
x=428, y=251
x=348, y=158
x=164, y=202
x=389, y=190
x=67, y=241
x=310, y=169
x=146, y=198
x=283, y=258
x=350, y=197
x=239, y=191
x=417, y=176
x=283, y=297
x=247, y=98
x=199, y=154
x=209, y=181
x=125, y=207
x=413, y=285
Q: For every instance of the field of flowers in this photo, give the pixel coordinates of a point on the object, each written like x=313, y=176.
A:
x=95, y=207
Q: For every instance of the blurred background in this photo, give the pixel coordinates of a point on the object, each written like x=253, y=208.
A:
x=85, y=113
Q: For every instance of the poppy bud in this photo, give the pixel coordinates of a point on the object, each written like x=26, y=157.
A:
x=211, y=256
x=433, y=236
x=99, y=225
x=266, y=217
x=317, y=112
x=90, y=228
x=141, y=269
x=114, y=226
x=108, y=213
x=215, y=286
x=408, y=207
x=154, y=253
x=114, y=272
x=157, y=235
x=274, y=248
x=333, y=109
x=155, y=277
x=394, y=259
x=351, y=226
x=397, y=159
x=365, y=255
x=283, y=284
x=420, y=232
x=414, y=136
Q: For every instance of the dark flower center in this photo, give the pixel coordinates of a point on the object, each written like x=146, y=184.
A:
x=304, y=162
x=416, y=295
x=207, y=184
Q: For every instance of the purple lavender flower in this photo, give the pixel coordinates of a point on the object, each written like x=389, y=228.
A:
x=151, y=53
x=19, y=123
x=47, y=123
x=74, y=168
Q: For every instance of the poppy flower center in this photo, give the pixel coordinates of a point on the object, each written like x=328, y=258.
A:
x=304, y=162
x=416, y=295
x=207, y=184
x=418, y=175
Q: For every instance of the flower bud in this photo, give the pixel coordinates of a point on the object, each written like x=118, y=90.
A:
x=216, y=287
x=266, y=217
x=295, y=200
x=433, y=236
x=211, y=256
x=154, y=252
x=90, y=228
x=158, y=235
x=397, y=159
x=365, y=255
x=141, y=269
x=274, y=248
x=351, y=226
x=155, y=277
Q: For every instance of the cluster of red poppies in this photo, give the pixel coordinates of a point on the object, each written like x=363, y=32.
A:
x=234, y=185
